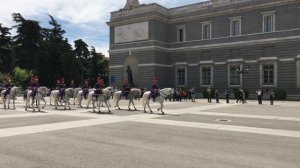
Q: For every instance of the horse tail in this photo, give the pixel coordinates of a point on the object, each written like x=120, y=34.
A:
x=116, y=96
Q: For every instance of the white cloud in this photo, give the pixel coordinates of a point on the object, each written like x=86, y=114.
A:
x=84, y=19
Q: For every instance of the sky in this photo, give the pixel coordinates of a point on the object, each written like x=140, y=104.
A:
x=81, y=19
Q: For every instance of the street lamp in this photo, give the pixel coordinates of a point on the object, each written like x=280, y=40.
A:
x=242, y=70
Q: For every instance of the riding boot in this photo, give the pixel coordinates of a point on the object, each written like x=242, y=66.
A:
x=153, y=99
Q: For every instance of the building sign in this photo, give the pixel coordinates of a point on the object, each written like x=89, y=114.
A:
x=132, y=32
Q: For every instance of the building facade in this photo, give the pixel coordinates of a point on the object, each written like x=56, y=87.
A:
x=221, y=43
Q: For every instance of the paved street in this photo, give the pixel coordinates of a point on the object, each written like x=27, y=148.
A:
x=190, y=135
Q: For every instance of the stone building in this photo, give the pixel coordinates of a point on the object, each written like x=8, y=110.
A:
x=222, y=43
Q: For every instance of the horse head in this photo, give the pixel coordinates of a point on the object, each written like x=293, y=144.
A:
x=43, y=91
x=167, y=91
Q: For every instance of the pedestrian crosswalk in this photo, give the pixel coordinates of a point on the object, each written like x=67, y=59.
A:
x=201, y=110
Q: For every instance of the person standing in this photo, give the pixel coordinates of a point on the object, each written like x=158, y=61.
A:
x=217, y=96
x=259, y=95
x=227, y=95
x=271, y=96
x=208, y=90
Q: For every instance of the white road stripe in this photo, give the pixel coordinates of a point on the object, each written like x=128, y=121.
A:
x=247, y=116
x=242, y=129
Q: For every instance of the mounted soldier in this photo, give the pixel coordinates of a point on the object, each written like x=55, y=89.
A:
x=62, y=88
x=126, y=88
x=34, y=86
x=85, y=88
x=155, y=89
x=57, y=84
x=7, y=87
x=98, y=87
x=72, y=84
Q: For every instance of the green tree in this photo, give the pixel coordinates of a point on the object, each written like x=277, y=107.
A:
x=27, y=41
x=82, y=53
x=6, y=54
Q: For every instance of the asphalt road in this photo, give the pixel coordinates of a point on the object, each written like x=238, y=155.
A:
x=191, y=135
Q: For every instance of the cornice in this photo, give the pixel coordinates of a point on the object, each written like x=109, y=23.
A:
x=166, y=19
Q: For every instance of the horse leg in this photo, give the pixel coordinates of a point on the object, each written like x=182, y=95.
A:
x=129, y=105
x=118, y=104
x=148, y=103
x=14, y=103
x=107, y=107
x=44, y=102
x=93, y=103
x=134, y=106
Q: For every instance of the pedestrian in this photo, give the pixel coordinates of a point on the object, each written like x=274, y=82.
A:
x=193, y=94
x=217, y=96
x=259, y=95
x=272, y=96
x=208, y=90
x=239, y=95
x=227, y=95
x=243, y=96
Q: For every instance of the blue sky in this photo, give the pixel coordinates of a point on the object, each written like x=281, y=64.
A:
x=81, y=19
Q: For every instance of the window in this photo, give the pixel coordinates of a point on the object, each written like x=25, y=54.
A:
x=234, y=75
x=269, y=22
x=180, y=33
x=268, y=74
x=206, y=30
x=206, y=75
x=235, y=26
x=181, y=76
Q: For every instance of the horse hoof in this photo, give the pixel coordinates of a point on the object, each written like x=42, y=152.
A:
x=39, y=110
x=157, y=109
x=109, y=111
x=163, y=113
x=119, y=108
x=145, y=112
x=151, y=112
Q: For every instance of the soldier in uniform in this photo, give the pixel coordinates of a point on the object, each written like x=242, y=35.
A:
x=72, y=84
x=7, y=87
x=34, y=86
x=126, y=88
x=62, y=88
x=98, y=87
x=85, y=88
x=57, y=84
x=155, y=89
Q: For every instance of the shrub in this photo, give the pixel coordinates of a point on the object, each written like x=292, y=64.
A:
x=21, y=77
x=280, y=94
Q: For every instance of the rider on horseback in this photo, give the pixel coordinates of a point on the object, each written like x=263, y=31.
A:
x=85, y=88
x=72, y=84
x=126, y=88
x=155, y=89
x=62, y=88
x=7, y=87
x=34, y=86
x=57, y=84
x=98, y=87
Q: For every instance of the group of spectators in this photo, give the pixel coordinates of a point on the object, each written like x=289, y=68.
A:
x=241, y=95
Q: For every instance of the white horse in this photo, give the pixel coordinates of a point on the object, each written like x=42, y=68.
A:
x=27, y=96
x=135, y=93
x=80, y=97
x=40, y=95
x=102, y=98
x=10, y=96
x=164, y=93
x=69, y=93
x=106, y=97
x=76, y=91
